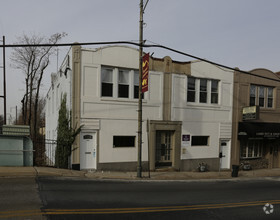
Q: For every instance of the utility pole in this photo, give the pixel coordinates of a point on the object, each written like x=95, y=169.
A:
x=4, y=82
x=139, y=162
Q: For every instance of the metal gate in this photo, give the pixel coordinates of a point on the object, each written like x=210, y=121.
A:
x=44, y=154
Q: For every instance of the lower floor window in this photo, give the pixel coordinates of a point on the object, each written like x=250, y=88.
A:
x=251, y=148
x=200, y=140
x=124, y=141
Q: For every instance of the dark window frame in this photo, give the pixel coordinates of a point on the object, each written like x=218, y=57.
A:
x=251, y=149
x=266, y=100
x=214, y=91
x=136, y=85
x=253, y=96
x=270, y=98
x=261, y=97
x=124, y=141
x=106, y=86
x=191, y=89
x=203, y=90
x=200, y=140
x=123, y=88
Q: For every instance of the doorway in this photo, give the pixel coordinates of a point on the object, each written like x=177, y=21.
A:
x=164, y=148
x=88, y=151
x=225, y=154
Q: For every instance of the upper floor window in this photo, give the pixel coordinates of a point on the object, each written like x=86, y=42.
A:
x=119, y=83
x=214, y=91
x=107, y=82
x=261, y=96
x=269, y=97
x=191, y=89
x=253, y=95
x=203, y=90
x=136, y=85
x=123, y=85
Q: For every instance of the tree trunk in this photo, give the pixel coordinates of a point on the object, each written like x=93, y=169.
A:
x=30, y=101
x=35, y=127
x=25, y=99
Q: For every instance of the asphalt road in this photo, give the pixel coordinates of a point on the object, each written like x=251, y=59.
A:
x=83, y=199
x=19, y=199
x=70, y=198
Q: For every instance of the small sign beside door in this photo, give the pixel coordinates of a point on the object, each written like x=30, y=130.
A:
x=186, y=142
x=186, y=138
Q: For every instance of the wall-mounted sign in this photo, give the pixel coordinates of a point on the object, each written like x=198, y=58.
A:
x=186, y=138
x=186, y=142
x=250, y=113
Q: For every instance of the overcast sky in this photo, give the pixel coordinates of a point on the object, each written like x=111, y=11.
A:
x=239, y=33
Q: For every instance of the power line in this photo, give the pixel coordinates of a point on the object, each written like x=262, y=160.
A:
x=137, y=44
x=71, y=44
x=211, y=62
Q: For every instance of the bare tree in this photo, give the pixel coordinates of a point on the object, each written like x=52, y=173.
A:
x=33, y=61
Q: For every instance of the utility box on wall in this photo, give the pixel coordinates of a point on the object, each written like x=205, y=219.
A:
x=16, y=151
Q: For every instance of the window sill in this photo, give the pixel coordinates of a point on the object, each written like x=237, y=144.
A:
x=195, y=104
x=121, y=100
x=264, y=109
x=199, y=145
x=250, y=158
x=120, y=147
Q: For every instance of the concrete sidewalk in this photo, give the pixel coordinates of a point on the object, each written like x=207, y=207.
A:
x=49, y=171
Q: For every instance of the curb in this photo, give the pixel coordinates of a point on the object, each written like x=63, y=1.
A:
x=6, y=172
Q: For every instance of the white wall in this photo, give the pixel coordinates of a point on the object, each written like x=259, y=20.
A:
x=113, y=115
x=118, y=116
x=213, y=120
x=61, y=84
x=110, y=128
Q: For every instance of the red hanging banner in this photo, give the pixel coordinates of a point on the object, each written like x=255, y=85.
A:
x=145, y=76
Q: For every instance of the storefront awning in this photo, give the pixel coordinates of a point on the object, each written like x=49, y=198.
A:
x=258, y=130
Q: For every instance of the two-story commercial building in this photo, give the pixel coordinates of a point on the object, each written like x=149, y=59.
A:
x=256, y=119
x=187, y=111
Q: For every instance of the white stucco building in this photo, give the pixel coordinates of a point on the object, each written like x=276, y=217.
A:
x=60, y=84
x=187, y=112
x=203, y=102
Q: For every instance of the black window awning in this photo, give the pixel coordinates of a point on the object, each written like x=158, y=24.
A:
x=258, y=130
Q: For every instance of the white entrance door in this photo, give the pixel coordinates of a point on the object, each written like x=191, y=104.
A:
x=88, y=151
x=225, y=154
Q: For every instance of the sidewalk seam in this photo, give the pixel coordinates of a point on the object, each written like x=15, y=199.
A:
x=37, y=174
